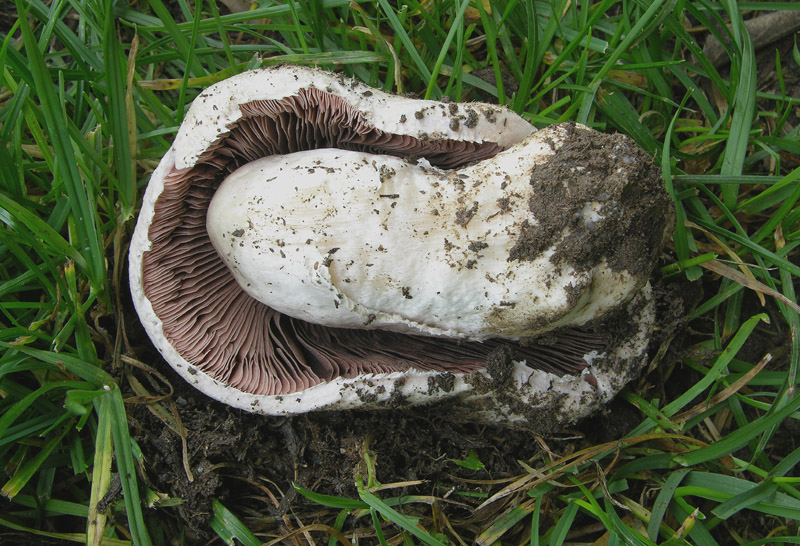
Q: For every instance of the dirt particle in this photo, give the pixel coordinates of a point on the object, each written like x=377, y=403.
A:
x=444, y=382
x=472, y=119
x=385, y=173
x=367, y=395
x=500, y=366
x=396, y=397
x=475, y=246
x=464, y=215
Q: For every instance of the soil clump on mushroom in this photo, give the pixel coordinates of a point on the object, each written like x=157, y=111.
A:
x=570, y=179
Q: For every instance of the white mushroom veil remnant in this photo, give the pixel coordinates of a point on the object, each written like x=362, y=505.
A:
x=309, y=242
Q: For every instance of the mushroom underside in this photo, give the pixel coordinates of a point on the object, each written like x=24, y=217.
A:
x=225, y=333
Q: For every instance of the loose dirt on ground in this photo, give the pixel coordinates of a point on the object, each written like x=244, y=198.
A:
x=249, y=462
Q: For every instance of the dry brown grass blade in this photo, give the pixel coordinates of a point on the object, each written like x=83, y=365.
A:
x=450, y=528
x=156, y=405
x=395, y=485
x=147, y=398
x=559, y=467
x=473, y=481
x=492, y=534
x=724, y=394
x=728, y=272
x=725, y=249
x=308, y=528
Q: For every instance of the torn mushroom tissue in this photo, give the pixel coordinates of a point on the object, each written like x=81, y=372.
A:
x=358, y=240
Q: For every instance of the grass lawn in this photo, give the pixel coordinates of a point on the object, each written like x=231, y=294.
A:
x=91, y=95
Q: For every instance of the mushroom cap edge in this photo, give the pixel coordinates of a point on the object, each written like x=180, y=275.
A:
x=216, y=108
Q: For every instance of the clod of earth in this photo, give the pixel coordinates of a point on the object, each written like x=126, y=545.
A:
x=311, y=243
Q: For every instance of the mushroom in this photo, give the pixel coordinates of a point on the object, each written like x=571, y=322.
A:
x=309, y=242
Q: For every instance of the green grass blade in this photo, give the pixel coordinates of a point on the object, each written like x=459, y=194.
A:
x=720, y=487
x=29, y=469
x=80, y=197
x=13, y=412
x=740, y=437
x=616, y=106
x=101, y=473
x=176, y=34
x=764, y=491
x=644, y=25
x=411, y=49
x=330, y=500
x=662, y=502
x=228, y=527
x=772, y=196
x=79, y=538
x=563, y=525
x=698, y=532
x=16, y=216
x=87, y=372
x=720, y=364
x=126, y=467
x=376, y=525
x=743, y=103
x=457, y=23
x=504, y=524
x=116, y=86
x=403, y=521
x=84, y=56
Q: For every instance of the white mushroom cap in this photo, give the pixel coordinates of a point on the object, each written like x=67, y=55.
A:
x=247, y=354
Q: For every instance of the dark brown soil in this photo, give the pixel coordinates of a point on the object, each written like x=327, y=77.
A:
x=232, y=454
x=237, y=457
